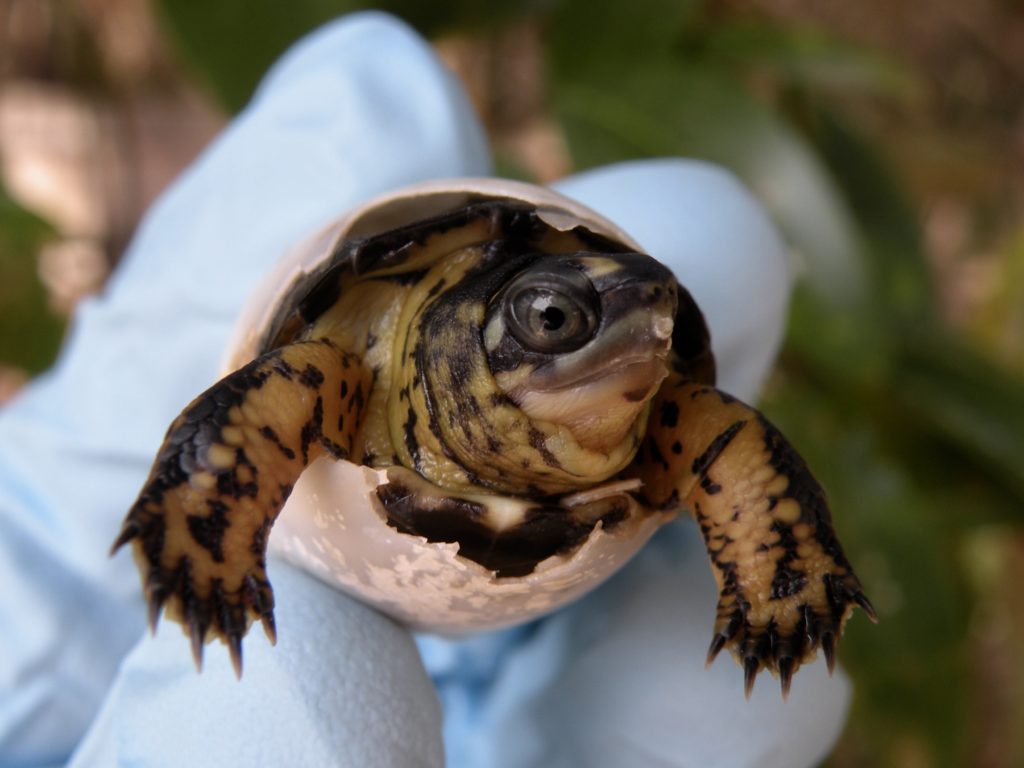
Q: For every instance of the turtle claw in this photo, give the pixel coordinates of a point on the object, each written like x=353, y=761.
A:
x=269, y=627
x=717, y=644
x=219, y=614
x=197, y=635
x=199, y=526
x=234, y=642
x=789, y=637
x=154, y=607
x=786, y=666
x=751, y=666
x=862, y=600
x=130, y=530
x=224, y=616
x=785, y=586
x=199, y=599
x=157, y=592
x=828, y=645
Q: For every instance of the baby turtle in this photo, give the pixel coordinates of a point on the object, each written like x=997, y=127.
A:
x=522, y=378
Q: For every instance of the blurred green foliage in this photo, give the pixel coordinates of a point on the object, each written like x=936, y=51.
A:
x=29, y=332
x=231, y=43
x=916, y=434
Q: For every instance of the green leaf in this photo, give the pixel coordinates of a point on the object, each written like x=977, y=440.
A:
x=666, y=110
x=951, y=413
x=851, y=347
x=963, y=397
x=230, y=44
x=30, y=333
x=597, y=38
x=801, y=56
x=999, y=323
x=901, y=279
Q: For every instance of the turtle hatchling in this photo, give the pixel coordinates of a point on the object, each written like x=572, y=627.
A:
x=474, y=400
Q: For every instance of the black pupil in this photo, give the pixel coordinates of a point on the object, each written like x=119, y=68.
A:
x=554, y=318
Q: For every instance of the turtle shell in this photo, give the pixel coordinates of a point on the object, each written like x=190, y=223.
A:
x=334, y=524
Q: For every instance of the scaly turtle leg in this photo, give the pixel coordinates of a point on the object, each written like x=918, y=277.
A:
x=785, y=586
x=199, y=527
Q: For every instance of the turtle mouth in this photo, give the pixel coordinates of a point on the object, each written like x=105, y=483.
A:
x=624, y=373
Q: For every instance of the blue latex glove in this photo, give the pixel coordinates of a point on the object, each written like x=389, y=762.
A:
x=360, y=107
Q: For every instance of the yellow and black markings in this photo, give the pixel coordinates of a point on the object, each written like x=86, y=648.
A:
x=785, y=586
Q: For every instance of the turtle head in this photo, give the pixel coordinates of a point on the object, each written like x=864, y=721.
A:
x=580, y=341
x=526, y=363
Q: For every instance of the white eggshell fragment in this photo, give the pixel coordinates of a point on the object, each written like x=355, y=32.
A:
x=333, y=525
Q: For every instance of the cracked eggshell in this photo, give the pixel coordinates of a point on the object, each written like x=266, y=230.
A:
x=333, y=525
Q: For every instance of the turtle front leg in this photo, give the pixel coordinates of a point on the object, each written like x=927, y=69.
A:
x=200, y=525
x=785, y=586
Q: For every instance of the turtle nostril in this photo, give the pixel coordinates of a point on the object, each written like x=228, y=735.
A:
x=655, y=295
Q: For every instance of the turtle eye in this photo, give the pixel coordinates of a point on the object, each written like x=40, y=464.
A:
x=552, y=312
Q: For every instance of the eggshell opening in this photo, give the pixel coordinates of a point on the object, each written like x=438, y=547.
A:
x=344, y=540
x=333, y=525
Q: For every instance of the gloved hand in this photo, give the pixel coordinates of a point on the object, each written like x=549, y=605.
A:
x=358, y=108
